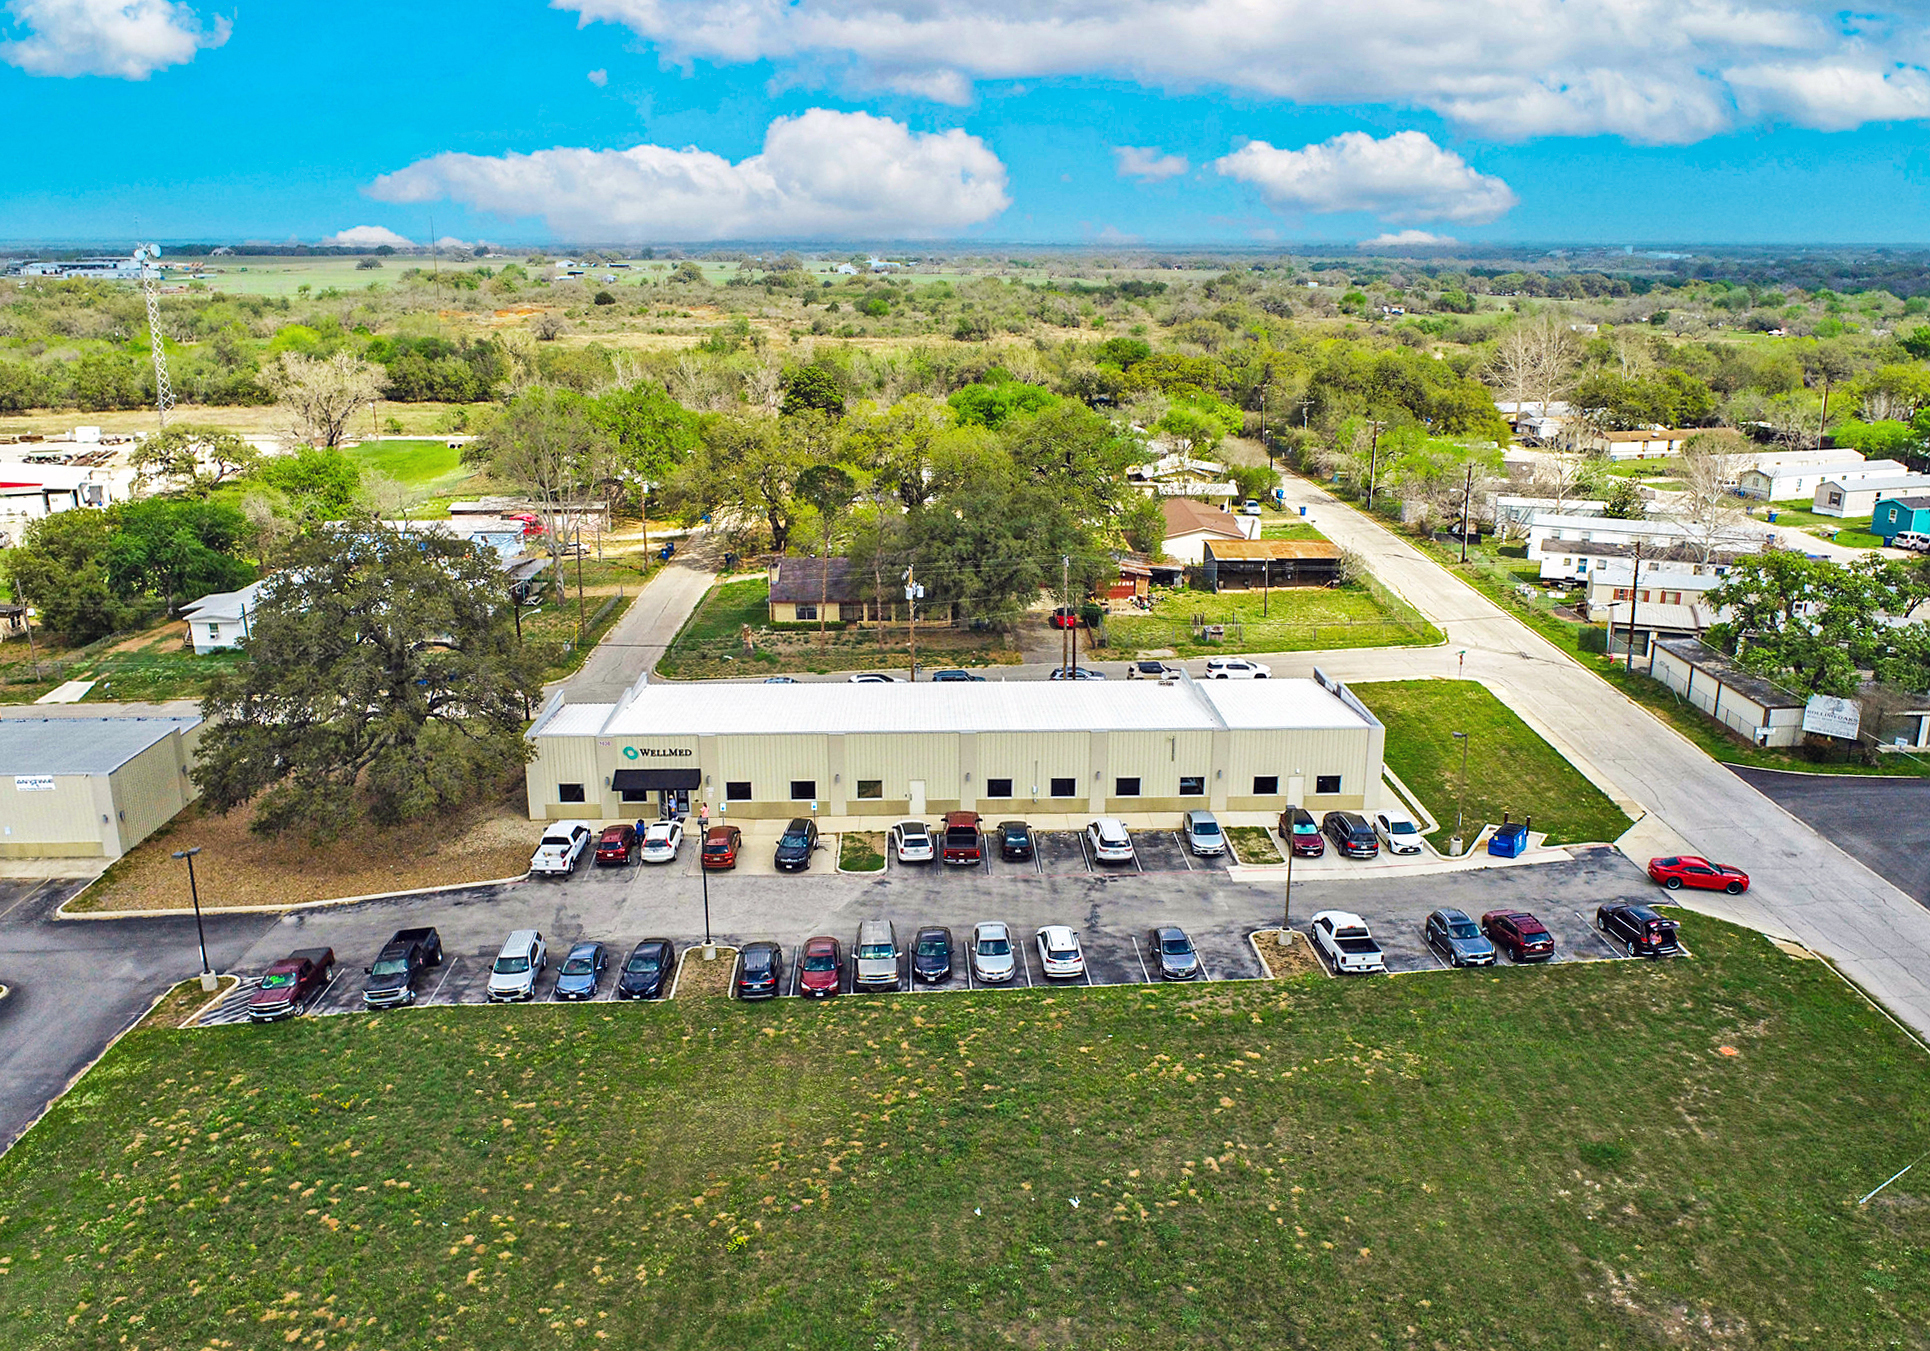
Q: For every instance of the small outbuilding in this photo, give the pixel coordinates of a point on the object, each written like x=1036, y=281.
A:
x=1252, y=564
x=1742, y=701
x=91, y=787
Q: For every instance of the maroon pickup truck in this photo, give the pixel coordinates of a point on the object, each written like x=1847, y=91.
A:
x=961, y=838
x=290, y=983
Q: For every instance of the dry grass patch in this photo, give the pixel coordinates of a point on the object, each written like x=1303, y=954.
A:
x=184, y=1001
x=699, y=979
x=239, y=868
x=1296, y=959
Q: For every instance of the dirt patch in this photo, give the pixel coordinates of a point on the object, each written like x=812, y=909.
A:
x=183, y=1002
x=238, y=868
x=1297, y=959
x=1253, y=844
x=700, y=979
x=168, y=636
x=861, y=851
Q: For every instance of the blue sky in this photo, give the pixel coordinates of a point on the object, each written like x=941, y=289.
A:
x=1066, y=121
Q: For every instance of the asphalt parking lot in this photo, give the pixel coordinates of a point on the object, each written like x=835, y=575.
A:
x=1111, y=911
x=1883, y=822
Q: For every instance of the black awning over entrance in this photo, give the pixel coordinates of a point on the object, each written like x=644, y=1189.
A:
x=646, y=780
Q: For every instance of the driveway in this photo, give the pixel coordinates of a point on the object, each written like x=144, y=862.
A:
x=636, y=641
x=74, y=986
x=1884, y=822
x=1804, y=888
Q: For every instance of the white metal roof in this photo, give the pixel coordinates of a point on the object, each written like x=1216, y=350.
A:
x=964, y=706
x=80, y=745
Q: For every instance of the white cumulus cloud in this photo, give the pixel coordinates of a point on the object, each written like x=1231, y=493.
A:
x=1147, y=163
x=1410, y=239
x=1662, y=71
x=125, y=39
x=821, y=174
x=369, y=237
x=599, y=78
x=1398, y=178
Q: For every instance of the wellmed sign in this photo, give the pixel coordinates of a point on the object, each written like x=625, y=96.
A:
x=656, y=752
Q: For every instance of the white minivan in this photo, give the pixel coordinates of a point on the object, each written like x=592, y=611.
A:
x=514, y=975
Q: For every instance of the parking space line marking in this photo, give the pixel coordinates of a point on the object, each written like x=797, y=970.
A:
x=321, y=994
x=1598, y=935
x=444, y=981
x=1025, y=963
x=1141, y=957
x=28, y=897
x=1182, y=853
x=797, y=969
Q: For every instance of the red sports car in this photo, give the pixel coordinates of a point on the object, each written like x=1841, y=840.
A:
x=821, y=969
x=1519, y=934
x=1690, y=871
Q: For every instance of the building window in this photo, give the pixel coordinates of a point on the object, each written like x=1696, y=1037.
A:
x=871, y=788
x=569, y=792
x=1326, y=783
x=807, y=612
x=998, y=788
x=737, y=792
x=214, y=633
x=636, y=795
x=1125, y=787
x=1192, y=785
x=1065, y=788
x=804, y=790
x=1266, y=785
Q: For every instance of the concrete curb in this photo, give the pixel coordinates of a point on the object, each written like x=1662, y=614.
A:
x=684, y=956
x=221, y=992
x=837, y=857
x=290, y=908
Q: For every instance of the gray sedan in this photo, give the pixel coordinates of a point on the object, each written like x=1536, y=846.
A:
x=1457, y=938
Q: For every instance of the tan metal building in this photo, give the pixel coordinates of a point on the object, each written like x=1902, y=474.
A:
x=882, y=752
x=91, y=787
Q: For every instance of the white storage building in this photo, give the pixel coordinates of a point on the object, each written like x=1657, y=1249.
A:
x=91, y=787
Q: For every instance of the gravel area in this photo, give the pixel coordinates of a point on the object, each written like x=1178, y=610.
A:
x=238, y=868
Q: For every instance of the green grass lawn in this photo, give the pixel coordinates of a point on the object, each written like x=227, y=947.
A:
x=1510, y=768
x=1291, y=530
x=1847, y=531
x=1288, y=619
x=1557, y=1158
x=432, y=468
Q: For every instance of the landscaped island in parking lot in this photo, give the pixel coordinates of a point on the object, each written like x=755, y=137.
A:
x=1605, y=1154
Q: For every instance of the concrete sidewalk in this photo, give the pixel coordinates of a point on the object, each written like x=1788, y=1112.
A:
x=1803, y=887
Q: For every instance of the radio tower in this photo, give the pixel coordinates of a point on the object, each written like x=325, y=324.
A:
x=163, y=388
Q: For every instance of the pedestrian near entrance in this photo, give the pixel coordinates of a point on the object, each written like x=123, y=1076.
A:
x=640, y=830
x=703, y=818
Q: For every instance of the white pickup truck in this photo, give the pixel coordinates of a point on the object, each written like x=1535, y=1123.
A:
x=1349, y=946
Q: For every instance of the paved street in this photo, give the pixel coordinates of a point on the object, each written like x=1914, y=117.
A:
x=1804, y=887
x=1883, y=821
x=644, y=633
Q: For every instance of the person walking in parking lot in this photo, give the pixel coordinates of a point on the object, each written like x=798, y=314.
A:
x=640, y=828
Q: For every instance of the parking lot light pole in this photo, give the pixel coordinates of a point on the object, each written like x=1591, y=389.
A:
x=1286, y=913
x=207, y=976
x=706, y=876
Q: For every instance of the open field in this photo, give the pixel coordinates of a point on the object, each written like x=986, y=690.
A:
x=428, y=467
x=1287, y=619
x=1510, y=768
x=1600, y=1154
x=711, y=642
x=239, y=868
x=1852, y=532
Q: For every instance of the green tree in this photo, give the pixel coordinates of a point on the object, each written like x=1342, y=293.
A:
x=652, y=433
x=813, y=388
x=1625, y=500
x=380, y=677
x=319, y=484
x=992, y=404
x=1917, y=342
x=1811, y=622
x=177, y=549
x=748, y=467
x=185, y=458
x=60, y=569
x=548, y=445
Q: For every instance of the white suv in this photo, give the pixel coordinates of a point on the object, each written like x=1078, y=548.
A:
x=1108, y=841
x=1913, y=540
x=1236, y=668
x=513, y=977
x=912, y=841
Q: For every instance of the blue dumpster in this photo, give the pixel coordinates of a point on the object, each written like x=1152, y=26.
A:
x=1508, y=841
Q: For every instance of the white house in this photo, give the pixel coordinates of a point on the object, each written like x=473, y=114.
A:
x=220, y=621
x=1789, y=483
x=1189, y=525
x=1533, y=420
x=1556, y=533
x=1578, y=561
x=1649, y=443
x=1858, y=500
x=1522, y=510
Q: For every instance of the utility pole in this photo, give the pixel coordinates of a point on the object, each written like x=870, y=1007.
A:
x=1634, y=580
x=1467, y=492
x=1266, y=591
x=913, y=594
x=576, y=543
x=1461, y=796
x=1373, y=463
x=27, y=618
x=1065, y=594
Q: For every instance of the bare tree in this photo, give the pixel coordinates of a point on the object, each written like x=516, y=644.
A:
x=1535, y=361
x=764, y=386
x=1562, y=479
x=1707, y=506
x=319, y=395
x=546, y=445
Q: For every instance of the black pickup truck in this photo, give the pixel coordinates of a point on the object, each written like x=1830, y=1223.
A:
x=403, y=958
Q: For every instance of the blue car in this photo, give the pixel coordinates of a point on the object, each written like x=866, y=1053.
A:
x=582, y=971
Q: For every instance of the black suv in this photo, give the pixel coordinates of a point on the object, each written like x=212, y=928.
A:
x=1640, y=931
x=1015, y=841
x=797, y=843
x=1351, y=833
x=646, y=975
x=760, y=971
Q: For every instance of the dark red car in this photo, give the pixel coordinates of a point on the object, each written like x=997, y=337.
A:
x=1519, y=934
x=720, y=846
x=1686, y=870
x=290, y=983
x=961, y=843
x=617, y=844
x=820, y=968
x=1299, y=830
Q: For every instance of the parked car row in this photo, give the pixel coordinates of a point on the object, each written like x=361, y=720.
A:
x=1347, y=945
x=876, y=962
